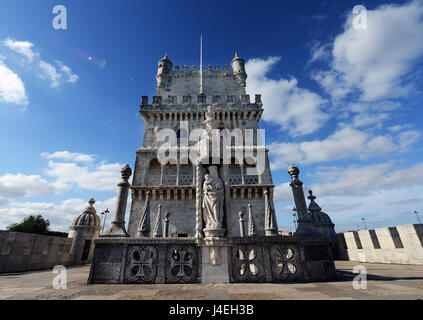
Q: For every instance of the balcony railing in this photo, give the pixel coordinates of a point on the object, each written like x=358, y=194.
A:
x=169, y=180
x=186, y=180
x=248, y=179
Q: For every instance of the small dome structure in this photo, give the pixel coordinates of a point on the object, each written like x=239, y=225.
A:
x=84, y=229
x=320, y=219
x=88, y=217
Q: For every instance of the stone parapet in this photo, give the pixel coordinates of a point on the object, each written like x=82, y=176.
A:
x=399, y=245
x=25, y=252
x=193, y=260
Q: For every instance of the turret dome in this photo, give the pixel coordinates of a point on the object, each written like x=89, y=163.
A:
x=88, y=217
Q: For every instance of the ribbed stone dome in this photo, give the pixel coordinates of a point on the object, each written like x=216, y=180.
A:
x=317, y=215
x=88, y=217
x=320, y=218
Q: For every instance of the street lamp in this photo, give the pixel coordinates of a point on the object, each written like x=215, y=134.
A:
x=417, y=215
x=295, y=217
x=104, y=213
x=365, y=227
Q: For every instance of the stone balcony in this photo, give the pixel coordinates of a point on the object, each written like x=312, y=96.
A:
x=188, y=180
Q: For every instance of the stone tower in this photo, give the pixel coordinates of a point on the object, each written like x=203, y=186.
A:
x=224, y=111
x=84, y=229
x=202, y=193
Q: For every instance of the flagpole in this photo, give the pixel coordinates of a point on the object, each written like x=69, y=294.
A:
x=201, y=64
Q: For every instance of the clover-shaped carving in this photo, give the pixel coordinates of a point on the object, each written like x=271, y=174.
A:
x=248, y=261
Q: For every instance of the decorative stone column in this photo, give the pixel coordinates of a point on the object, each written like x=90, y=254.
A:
x=224, y=175
x=251, y=224
x=158, y=225
x=242, y=174
x=199, y=179
x=117, y=228
x=241, y=224
x=305, y=224
x=270, y=224
x=166, y=224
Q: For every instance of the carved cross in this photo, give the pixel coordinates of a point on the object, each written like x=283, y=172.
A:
x=181, y=262
x=142, y=262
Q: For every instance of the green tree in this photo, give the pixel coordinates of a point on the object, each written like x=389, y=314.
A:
x=32, y=224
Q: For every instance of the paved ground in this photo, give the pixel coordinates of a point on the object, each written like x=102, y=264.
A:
x=385, y=281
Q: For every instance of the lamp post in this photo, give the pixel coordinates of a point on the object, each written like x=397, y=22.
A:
x=104, y=213
x=365, y=227
x=295, y=217
x=417, y=215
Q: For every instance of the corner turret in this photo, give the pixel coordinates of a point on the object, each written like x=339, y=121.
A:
x=238, y=66
x=165, y=67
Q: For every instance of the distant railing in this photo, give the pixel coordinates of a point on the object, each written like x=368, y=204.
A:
x=248, y=179
x=187, y=180
x=170, y=180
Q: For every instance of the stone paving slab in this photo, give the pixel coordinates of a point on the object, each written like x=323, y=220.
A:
x=385, y=281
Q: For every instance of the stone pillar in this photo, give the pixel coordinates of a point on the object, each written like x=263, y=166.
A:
x=251, y=224
x=161, y=175
x=166, y=224
x=193, y=174
x=270, y=224
x=177, y=174
x=242, y=173
x=305, y=224
x=199, y=179
x=144, y=224
x=158, y=225
x=224, y=175
x=117, y=228
x=241, y=224
x=215, y=262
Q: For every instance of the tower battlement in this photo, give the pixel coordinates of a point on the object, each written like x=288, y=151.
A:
x=201, y=99
x=206, y=79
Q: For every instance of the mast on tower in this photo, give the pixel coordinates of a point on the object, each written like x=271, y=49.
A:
x=201, y=64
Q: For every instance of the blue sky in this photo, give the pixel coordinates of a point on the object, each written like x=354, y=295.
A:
x=342, y=104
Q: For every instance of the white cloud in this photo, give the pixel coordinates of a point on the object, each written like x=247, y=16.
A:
x=376, y=61
x=399, y=127
x=55, y=73
x=408, y=138
x=69, y=156
x=67, y=72
x=79, y=171
x=49, y=72
x=22, y=47
x=297, y=110
x=20, y=185
x=100, y=177
x=319, y=52
x=60, y=215
x=361, y=180
x=345, y=143
x=56, y=76
x=12, y=89
x=365, y=119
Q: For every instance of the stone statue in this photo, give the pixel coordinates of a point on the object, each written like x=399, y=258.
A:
x=210, y=120
x=213, y=198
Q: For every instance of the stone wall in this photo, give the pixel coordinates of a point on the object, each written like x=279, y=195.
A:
x=23, y=251
x=182, y=215
x=400, y=245
x=187, y=260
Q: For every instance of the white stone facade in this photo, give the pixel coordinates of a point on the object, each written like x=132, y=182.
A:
x=174, y=186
